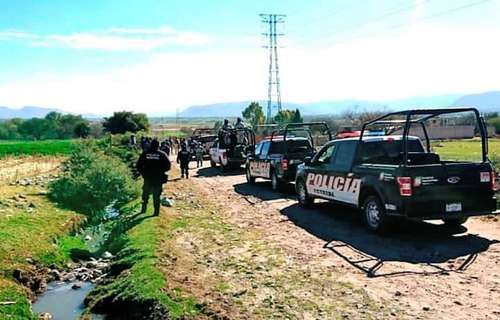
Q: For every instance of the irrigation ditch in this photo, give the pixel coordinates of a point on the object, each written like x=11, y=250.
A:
x=100, y=267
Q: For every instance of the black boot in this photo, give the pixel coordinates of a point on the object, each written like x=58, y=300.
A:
x=144, y=207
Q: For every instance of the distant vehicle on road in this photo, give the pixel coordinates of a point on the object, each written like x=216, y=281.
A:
x=390, y=177
x=231, y=147
x=205, y=136
x=276, y=157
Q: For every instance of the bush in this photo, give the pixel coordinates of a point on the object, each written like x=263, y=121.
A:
x=92, y=180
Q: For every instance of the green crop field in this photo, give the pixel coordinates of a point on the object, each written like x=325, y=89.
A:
x=45, y=147
x=466, y=149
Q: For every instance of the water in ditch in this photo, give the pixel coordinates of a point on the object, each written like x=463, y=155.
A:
x=63, y=302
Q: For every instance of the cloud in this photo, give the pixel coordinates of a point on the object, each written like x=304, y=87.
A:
x=114, y=39
x=422, y=60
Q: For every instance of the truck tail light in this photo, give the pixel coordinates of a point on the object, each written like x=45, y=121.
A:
x=224, y=155
x=284, y=164
x=493, y=180
x=405, y=189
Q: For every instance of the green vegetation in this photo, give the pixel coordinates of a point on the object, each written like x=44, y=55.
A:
x=53, y=126
x=288, y=116
x=125, y=121
x=466, y=149
x=20, y=308
x=254, y=115
x=156, y=132
x=28, y=231
x=142, y=283
x=46, y=147
x=92, y=180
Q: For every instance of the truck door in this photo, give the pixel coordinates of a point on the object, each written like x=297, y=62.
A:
x=344, y=183
x=264, y=163
x=319, y=174
x=214, y=152
x=253, y=161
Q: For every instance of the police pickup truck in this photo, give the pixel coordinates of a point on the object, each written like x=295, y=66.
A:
x=277, y=157
x=394, y=176
x=231, y=147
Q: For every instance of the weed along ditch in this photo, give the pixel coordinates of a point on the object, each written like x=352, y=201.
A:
x=73, y=244
x=98, y=279
x=68, y=288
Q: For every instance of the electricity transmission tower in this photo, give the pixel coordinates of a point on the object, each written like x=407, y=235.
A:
x=270, y=21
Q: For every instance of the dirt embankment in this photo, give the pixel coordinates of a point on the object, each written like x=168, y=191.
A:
x=278, y=259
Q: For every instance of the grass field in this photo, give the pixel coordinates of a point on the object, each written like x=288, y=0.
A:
x=32, y=231
x=45, y=147
x=467, y=149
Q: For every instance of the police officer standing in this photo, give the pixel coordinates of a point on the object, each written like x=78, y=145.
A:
x=183, y=158
x=152, y=165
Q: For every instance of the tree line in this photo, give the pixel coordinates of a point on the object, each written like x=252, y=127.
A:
x=254, y=116
x=56, y=125
x=53, y=126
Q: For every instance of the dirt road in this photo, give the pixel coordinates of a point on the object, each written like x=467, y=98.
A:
x=424, y=269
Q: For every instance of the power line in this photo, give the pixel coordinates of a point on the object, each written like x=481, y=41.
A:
x=394, y=10
x=397, y=26
x=445, y=12
x=271, y=21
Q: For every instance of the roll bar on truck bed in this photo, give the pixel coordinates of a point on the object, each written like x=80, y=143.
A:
x=426, y=114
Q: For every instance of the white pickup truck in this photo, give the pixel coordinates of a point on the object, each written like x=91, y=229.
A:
x=231, y=148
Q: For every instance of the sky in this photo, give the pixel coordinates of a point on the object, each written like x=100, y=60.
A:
x=157, y=56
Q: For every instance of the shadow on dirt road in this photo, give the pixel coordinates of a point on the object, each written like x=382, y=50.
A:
x=415, y=243
x=219, y=171
x=262, y=190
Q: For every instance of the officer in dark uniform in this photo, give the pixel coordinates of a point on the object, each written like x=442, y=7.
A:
x=152, y=165
x=183, y=158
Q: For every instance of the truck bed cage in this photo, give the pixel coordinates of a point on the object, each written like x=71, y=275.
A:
x=426, y=115
x=304, y=127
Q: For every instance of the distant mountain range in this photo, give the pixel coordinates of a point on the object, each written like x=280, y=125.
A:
x=34, y=112
x=485, y=102
x=25, y=112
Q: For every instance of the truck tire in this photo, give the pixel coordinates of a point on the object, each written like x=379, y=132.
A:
x=374, y=214
x=304, y=199
x=275, y=181
x=455, y=222
x=249, y=177
x=213, y=164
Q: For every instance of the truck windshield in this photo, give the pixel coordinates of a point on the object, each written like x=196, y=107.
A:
x=293, y=146
x=387, y=151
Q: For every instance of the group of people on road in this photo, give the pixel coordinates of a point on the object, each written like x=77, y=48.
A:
x=154, y=163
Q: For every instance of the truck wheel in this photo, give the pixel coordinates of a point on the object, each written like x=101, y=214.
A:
x=275, y=181
x=249, y=177
x=304, y=199
x=213, y=164
x=374, y=212
x=455, y=222
x=225, y=167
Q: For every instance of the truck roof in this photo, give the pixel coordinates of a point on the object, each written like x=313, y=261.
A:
x=280, y=138
x=378, y=138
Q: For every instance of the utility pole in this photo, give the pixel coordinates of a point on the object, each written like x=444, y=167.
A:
x=271, y=21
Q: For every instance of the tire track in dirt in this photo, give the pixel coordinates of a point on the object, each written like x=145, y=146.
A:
x=425, y=269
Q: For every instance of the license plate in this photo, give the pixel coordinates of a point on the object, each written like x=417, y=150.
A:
x=453, y=207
